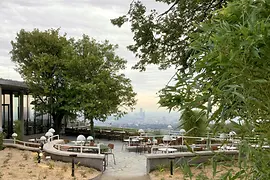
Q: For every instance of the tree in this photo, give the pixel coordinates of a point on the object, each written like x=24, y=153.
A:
x=102, y=90
x=62, y=74
x=163, y=38
x=229, y=76
x=194, y=122
x=40, y=59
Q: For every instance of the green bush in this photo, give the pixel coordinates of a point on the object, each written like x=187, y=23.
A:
x=1, y=141
x=18, y=129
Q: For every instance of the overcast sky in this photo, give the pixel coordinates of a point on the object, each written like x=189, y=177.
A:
x=77, y=17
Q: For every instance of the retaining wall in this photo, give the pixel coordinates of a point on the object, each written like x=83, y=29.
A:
x=89, y=160
x=155, y=160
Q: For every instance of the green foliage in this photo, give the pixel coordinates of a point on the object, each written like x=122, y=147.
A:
x=228, y=78
x=66, y=76
x=18, y=129
x=194, y=122
x=1, y=141
x=162, y=37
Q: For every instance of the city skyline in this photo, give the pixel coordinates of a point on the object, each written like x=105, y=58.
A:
x=75, y=19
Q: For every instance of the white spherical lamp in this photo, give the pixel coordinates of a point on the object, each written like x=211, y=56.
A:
x=90, y=138
x=167, y=138
x=182, y=131
x=49, y=134
x=81, y=138
x=42, y=138
x=51, y=130
x=14, y=135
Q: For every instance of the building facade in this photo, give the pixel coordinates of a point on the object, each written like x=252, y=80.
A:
x=16, y=105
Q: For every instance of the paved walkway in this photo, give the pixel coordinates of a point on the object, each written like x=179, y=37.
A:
x=129, y=165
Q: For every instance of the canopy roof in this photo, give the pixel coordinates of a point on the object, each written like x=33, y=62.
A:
x=8, y=85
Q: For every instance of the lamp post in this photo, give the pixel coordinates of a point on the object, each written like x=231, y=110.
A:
x=182, y=132
x=170, y=128
x=49, y=134
x=51, y=130
x=232, y=134
x=141, y=131
x=208, y=129
x=73, y=164
x=39, y=155
x=14, y=136
x=81, y=138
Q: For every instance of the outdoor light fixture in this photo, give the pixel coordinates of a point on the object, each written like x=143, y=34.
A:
x=208, y=129
x=141, y=131
x=40, y=154
x=51, y=130
x=166, y=139
x=182, y=132
x=90, y=138
x=231, y=134
x=73, y=164
x=14, y=135
x=222, y=136
x=155, y=141
x=170, y=128
x=81, y=138
x=43, y=138
x=49, y=134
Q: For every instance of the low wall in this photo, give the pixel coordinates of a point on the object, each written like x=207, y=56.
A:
x=89, y=160
x=153, y=161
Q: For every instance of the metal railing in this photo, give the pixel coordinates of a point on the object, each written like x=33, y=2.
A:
x=23, y=143
x=81, y=148
x=53, y=138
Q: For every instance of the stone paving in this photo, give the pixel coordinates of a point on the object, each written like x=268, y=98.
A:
x=129, y=165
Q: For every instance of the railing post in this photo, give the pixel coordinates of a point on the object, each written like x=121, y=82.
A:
x=171, y=164
x=81, y=149
x=98, y=148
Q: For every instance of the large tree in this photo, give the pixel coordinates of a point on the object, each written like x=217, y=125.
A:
x=102, y=89
x=64, y=77
x=162, y=38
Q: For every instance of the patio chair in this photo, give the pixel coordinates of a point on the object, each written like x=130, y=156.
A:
x=110, y=151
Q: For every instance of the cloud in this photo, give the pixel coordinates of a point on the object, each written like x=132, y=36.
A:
x=91, y=17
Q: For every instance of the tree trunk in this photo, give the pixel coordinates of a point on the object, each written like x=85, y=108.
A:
x=92, y=127
x=57, y=122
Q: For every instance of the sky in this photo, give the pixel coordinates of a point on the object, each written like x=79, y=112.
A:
x=78, y=17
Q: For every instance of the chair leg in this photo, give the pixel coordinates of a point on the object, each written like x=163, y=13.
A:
x=114, y=159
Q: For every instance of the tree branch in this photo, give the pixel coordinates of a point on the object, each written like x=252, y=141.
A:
x=166, y=12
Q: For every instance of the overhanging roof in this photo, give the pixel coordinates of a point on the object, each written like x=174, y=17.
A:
x=11, y=85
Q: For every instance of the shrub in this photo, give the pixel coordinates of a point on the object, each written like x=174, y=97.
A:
x=2, y=140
